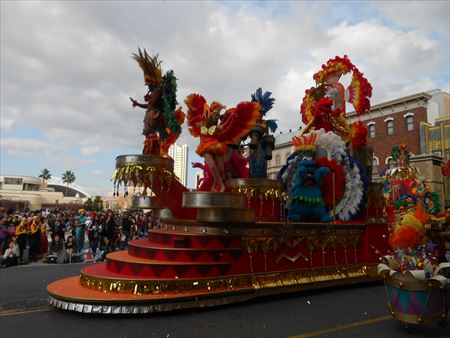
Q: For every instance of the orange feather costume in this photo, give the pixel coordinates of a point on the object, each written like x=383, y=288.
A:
x=216, y=132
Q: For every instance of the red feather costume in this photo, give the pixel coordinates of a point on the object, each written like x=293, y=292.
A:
x=217, y=131
x=214, y=136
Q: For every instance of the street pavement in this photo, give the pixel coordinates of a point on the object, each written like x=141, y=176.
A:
x=358, y=311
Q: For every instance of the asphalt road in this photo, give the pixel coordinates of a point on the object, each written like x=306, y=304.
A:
x=352, y=311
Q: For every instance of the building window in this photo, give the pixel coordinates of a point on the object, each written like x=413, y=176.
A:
x=375, y=164
x=12, y=180
x=372, y=131
x=409, y=123
x=390, y=162
x=278, y=160
x=447, y=131
x=390, y=127
x=435, y=134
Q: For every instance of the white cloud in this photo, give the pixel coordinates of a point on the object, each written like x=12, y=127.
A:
x=6, y=123
x=71, y=163
x=423, y=15
x=98, y=173
x=90, y=150
x=67, y=70
x=391, y=59
x=30, y=147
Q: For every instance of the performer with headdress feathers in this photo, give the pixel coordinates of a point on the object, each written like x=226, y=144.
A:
x=216, y=131
x=162, y=123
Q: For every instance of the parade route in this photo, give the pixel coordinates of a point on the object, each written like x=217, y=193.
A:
x=350, y=311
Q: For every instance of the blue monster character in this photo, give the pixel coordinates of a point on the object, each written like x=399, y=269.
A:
x=307, y=201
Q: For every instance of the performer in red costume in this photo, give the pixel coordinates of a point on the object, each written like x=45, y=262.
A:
x=216, y=131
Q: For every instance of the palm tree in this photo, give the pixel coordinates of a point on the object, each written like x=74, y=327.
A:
x=45, y=174
x=68, y=177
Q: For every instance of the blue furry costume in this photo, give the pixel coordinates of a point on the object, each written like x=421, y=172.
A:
x=307, y=201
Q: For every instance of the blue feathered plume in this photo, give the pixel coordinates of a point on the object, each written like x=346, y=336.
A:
x=272, y=125
x=264, y=100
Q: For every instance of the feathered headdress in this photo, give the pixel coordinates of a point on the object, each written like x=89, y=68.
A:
x=150, y=65
x=266, y=103
x=305, y=142
x=264, y=100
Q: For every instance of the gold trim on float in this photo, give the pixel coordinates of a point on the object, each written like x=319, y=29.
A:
x=200, y=231
x=146, y=202
x=257, y=187
x=296, y=278
x=226, y=216
x=142, y=170
x=111, y=257
x=206, y=199
x=147, y=160
x=144, y=247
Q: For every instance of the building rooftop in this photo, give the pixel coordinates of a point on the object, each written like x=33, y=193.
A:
x=285, y=137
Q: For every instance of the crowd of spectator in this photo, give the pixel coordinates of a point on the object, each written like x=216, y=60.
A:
x=65, y=236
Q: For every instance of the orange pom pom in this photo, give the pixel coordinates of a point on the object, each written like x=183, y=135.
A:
x=421, y=215
x=405, y=237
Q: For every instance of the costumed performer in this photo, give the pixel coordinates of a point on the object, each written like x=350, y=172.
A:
x=216, y=131
x=162, y=121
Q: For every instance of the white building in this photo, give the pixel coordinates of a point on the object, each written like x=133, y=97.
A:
x=23, y=192
x=180, y=158
x=283, y=149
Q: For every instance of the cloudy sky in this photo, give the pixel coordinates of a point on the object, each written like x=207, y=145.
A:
x=67, y=72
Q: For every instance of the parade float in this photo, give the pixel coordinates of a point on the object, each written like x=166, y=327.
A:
x=241, y=235
x=417, y=292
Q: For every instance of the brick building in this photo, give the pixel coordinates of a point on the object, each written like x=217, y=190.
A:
x=402, y=120
x=420, y=120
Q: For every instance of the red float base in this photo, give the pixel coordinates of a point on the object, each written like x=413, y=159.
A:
x=189, y=264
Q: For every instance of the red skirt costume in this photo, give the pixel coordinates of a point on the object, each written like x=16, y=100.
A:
x=209, y=144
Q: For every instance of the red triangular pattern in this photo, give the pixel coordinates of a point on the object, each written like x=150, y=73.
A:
x=180, y=270
x=111, y=266
x=127, y=269
x=138, y=251
x=203, y=270
x=158, y=269
x=171, y=254
x=205, y=257
x=119, y=265
x=214, y=272
x=147, y=271
x=183, y=256
x=235, y=254
x=193, y=255
x=181, y=242
x=137, y=268
x=149, y=253
x=143, y=253
x=225, y=241
x=203, y=240
x=223, y=269
x=216, y=255
x=170, y=272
